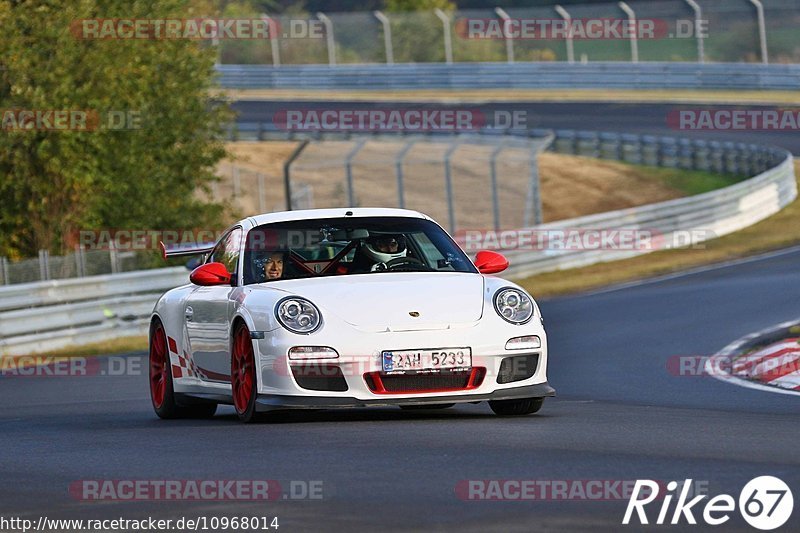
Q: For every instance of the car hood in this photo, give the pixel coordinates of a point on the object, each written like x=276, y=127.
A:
x=386, y=301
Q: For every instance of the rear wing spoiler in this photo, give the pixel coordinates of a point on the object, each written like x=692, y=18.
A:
x=184, y=250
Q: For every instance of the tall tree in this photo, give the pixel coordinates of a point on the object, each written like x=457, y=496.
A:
x=145, y=175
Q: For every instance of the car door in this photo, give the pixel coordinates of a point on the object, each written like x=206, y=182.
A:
x=207, y=311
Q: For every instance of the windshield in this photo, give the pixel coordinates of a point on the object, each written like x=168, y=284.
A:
x=348, y=246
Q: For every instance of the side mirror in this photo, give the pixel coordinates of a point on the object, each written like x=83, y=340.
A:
x=490, y=262
x=210, y=274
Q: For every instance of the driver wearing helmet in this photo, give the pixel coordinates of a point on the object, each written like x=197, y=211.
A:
x=377, y=251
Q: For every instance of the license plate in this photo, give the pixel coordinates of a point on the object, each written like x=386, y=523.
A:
x=430, y=360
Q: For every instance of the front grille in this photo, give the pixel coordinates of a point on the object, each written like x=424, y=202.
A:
x=382, y=383
x=517, y=368
x=320, y=377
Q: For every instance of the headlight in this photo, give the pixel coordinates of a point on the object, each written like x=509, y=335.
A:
x=513, y=305
x=298, y=315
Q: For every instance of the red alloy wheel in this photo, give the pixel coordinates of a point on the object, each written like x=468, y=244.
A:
x=243, y=370
x=159, y=366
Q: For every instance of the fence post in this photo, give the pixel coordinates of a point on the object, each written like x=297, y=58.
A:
x=568, y=21
x=634, y=31
x=237, y=183
x=398, y=168
x=534, y=196
x=273, y=40
x=348, y=165
x=448, y=185
x=112, y=257
x=287, y=176
x=506, y=33
x=448, y=41
x=493, y=176
x=262, y=200
x=79, y=266
x=762, y=30
x=4, y=265
x=698, y=21
x=387, y=36
x=331, y=42
x=44, y=265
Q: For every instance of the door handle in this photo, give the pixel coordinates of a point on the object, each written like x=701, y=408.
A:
x=189, y=313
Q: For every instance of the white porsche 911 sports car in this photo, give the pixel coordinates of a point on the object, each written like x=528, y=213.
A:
x=344, y=308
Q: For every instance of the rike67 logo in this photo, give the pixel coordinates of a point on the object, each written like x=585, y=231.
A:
x=765, y=503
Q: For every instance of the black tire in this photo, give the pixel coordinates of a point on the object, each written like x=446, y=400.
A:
x=525, y=406
x=422, y=407
x=164, y=403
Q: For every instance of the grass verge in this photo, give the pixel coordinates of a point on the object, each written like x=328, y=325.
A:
x=114, y=346
x=778, y=231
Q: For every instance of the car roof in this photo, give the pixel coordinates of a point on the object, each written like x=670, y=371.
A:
x=355, y=212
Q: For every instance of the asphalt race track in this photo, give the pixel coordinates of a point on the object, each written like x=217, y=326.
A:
x=620, y=415
x=642, y=118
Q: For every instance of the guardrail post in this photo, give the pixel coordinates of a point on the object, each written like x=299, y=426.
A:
x=631, y=148
x=568, y=39
x=701, y=155
x=506, y=33
x=274, y=30
x=329, y=37
x=448, y=184
x=716, y=156
x=650, y=151
x=634, y=31
x=4, y=268
x=387, y=36
x=669, y=152
x=565, y=142
x=610, y=147
x=698, y=30
x=587, y=144
x=448, y=41
x=762, y=30
x=348, y=165
x=287, y=176
x=398, y=169
x=493, y=177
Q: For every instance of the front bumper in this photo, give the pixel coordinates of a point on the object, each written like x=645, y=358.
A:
x=270, y=402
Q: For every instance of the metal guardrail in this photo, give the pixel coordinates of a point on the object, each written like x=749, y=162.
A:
x=600, y=75
x=698, y=217
x=48, y=315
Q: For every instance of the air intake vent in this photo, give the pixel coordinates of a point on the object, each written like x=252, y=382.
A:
x=319, y=377
x=517, y=368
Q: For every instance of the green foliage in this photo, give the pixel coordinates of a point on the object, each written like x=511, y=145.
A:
x=56, y=182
